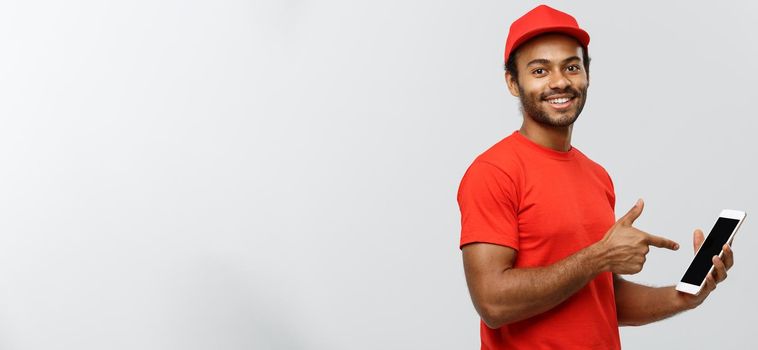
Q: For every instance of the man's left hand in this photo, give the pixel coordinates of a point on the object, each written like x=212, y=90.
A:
x=720, y=267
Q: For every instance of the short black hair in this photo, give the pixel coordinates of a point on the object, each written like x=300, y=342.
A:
x=510, y=65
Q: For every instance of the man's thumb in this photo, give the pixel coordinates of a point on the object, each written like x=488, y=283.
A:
x=633, y=213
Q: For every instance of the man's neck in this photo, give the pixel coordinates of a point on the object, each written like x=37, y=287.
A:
x=558, y=139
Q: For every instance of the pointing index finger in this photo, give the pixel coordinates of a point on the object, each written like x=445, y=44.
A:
x=661, y=242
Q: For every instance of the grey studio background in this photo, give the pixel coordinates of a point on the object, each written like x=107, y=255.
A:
x=283, y=174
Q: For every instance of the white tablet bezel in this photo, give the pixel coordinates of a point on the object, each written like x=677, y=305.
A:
x=726, y=213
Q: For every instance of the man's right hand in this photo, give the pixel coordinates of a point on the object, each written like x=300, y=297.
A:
x=623, y=249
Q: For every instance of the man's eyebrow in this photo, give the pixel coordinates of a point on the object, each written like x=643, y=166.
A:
x=546, y=61
x=538, y=61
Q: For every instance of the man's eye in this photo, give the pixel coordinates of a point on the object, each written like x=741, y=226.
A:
x=573, y=68
x=538, y=71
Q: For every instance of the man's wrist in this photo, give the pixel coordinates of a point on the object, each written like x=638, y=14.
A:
x=595, y=256
x=681, y=301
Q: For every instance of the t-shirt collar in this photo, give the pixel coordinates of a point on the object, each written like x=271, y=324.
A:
x=545, y=150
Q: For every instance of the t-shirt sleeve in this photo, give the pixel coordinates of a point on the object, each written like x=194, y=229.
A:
x=487, y=198
x=611, y=192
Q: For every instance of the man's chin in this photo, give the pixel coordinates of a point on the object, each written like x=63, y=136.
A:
x=556, y=122
x=552, y=116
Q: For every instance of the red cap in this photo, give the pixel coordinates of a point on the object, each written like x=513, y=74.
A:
x=543, y=19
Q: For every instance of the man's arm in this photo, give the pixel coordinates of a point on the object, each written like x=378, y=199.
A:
x=503, y=294
x=637, y=304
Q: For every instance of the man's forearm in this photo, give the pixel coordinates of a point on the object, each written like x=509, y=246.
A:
x=521, y=293
x=637, y=305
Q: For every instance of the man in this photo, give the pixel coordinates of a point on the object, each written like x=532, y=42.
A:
x=542, y=254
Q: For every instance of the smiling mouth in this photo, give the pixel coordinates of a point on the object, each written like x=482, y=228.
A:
x=560, y=102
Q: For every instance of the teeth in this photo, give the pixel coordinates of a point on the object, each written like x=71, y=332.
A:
x=558, y=100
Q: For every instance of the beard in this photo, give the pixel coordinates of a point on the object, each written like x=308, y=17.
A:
x=531, y=105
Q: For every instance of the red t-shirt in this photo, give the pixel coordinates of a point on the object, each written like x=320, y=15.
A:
x=547, y=205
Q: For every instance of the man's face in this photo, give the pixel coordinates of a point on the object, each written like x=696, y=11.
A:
x=552, y=83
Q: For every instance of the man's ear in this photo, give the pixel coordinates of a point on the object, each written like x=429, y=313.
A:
x=512, y=84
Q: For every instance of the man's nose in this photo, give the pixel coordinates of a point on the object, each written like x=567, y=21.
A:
x=559, y=81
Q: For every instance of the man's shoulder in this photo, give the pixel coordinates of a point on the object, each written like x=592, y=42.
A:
x=499, y=163
x=503, y=155
x=592, y=164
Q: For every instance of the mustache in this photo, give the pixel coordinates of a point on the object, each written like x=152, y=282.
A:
x=567, y=91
